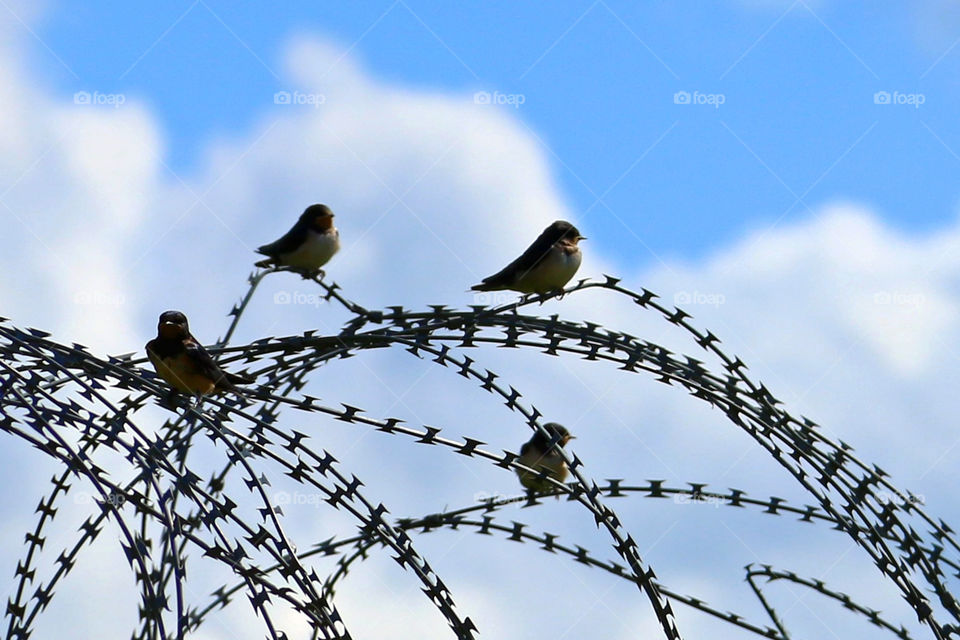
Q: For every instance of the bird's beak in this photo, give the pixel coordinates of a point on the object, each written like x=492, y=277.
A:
x=169, y=329
x=581, y=238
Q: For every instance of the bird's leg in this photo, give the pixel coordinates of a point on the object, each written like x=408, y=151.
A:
x=311, y=274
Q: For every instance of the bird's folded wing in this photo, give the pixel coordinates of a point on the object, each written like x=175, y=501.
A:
x=203, y=361
x=529, y=259
x=290, y=241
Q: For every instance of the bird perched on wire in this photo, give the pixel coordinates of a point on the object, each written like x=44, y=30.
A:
x=546, y=266
x=184, y=363
x=541, y=453
x=308, y=245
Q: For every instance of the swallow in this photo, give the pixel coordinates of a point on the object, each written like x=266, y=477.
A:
x=184, y=363
x=540, y=453
x=309, y=244
x=546, y=266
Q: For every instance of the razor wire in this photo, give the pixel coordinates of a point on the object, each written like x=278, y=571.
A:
x=167, y=514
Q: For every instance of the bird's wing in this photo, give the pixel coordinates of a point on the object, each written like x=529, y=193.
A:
x=288, y=243
x=209, y=367
x=161, y=348
x=203, y=361
x=153, y=349
x=529, y=259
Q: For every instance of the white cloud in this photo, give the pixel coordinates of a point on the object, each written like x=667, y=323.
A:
x=850, y=322
x=77, y=181
x=434, y=192
x=873, y=285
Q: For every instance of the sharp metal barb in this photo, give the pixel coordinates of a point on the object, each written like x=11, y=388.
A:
x=169, y=513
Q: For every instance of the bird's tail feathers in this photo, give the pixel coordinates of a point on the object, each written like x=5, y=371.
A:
x=235, y=378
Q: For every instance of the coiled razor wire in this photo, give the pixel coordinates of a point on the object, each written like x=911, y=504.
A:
x=167, y=513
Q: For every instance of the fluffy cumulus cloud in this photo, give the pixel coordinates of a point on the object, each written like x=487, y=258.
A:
x=893, y=294
x=854, y=323
x=850, y=322
x=423, y=182
x=76, y=183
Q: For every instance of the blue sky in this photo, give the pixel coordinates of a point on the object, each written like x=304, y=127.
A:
x=798, y=125
x=731, y=157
